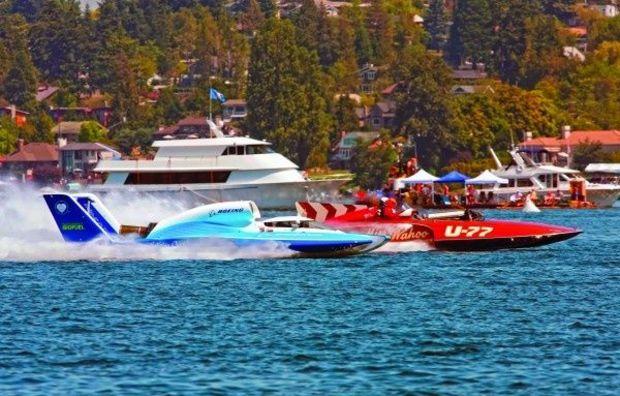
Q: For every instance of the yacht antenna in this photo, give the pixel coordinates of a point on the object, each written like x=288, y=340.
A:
x=495, y=158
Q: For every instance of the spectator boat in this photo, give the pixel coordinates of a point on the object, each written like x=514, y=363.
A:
x=83, y=217
x=218, y=169
x=525, y=175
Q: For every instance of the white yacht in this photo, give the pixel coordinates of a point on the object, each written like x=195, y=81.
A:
x=222, y=168
x=526, y=175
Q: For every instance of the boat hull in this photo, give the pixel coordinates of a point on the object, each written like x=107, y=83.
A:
x=268, y=196
x=452, y=234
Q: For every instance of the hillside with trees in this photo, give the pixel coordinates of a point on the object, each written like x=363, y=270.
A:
x=298, y=63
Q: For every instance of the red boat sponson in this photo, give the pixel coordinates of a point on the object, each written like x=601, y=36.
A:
x=444, y=234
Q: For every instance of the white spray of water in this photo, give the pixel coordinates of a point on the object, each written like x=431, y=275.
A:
x=28, y=232
x=403, y=247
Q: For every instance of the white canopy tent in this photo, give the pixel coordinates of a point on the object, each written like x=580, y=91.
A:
x=487, y=177
x=420, y=177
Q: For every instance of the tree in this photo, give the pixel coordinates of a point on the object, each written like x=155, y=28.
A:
x=59, y=42
x=20, y=84
x=92, y=131
x=371, y=162
x=424, y=109
x=269, y=8
x=586, y=153
x=382, y=32
x=285, y=95
x=252, y=18
x=169, y=106
x=345, y=117
x=126, y=139
x=43, y=126
x=561, y=9
x=9, y=133
x=436, y=24
x=471, y=34
x=512, y=39
x=606, y=29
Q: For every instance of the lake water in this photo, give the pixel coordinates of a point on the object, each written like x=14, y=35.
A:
x=540, y=321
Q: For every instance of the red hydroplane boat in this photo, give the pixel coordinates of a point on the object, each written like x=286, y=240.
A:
x=453, y=231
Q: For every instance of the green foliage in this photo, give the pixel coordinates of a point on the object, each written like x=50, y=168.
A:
x=371, y=162
x=605, y=29
x=126, y=139
x=20, y=83
x=59, y=40
x=285, y=96
x=91, y=132
x=586, y=153
x=590, y=93
x=471, y=32
x=9, y=133
x=43, y=127
x=345, y=118
x=169, y=106
x=436, y=24
x=424, y=108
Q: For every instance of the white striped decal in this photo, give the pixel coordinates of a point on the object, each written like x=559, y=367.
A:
x=320, y=211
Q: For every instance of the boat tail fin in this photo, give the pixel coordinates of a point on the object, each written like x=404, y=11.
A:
x=320, y=211
x=78, y=218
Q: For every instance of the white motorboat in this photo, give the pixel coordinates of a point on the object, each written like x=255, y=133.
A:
x=525, y=175
x=218, y=169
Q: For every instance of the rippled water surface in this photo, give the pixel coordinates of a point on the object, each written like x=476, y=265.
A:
x=543, y=321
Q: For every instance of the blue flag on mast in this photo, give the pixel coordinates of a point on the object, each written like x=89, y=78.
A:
x=217, y=95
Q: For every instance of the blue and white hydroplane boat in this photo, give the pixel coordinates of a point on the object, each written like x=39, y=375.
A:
x=83, y=217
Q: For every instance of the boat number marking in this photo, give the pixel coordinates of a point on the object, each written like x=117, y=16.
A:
x=469, y=232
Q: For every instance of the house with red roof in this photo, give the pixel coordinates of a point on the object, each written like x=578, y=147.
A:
x=552, y=149
x=33, y=162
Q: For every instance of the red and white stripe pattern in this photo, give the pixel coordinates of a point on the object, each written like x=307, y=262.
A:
x=324, y=211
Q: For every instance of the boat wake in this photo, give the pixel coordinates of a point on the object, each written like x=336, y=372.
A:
x=28, y=232
x=402, y=247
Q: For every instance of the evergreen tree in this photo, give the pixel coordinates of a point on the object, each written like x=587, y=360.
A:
x=20, y=83
x=436, y=24
x=362, y=43
x=424, y=109
x=511, y=43
x=345, y=117
x=382, y=33
x=252, y=18
x=29, y=9
x=285, y=96
x=170, y=107
x=9, y=133
x=124, y=89
x=306, y=21
x=59, y=38
x=471, y=34
x=268, y=7
x=562, y=9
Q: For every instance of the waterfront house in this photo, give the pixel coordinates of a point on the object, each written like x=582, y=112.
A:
x=556, y=150
x=83, y=157
x=33, y=162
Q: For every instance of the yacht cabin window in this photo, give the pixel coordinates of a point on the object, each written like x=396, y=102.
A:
x=177, y=177
x=247, y=150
